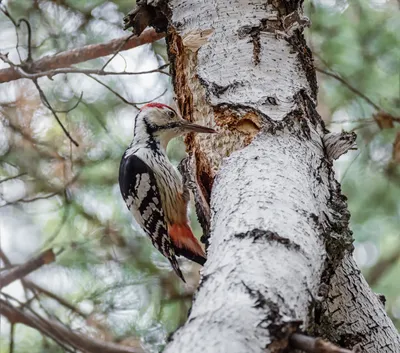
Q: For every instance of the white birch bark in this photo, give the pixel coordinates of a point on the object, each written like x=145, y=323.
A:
x=279, y=242
x=352, y=315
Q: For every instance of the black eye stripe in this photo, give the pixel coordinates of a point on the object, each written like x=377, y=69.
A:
x=168, y=126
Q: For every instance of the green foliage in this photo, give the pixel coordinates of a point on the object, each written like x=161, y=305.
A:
x=360, y=42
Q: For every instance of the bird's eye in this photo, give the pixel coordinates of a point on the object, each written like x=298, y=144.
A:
x=171, y=114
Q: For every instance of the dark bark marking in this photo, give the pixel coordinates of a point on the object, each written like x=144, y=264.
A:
x=259, y=300
x=144, y=15
x=259, y=234
x=255, y=36
x=216, y=89
x=382, y=299
x=305, y=56
x=254, y=32
x=271, y=101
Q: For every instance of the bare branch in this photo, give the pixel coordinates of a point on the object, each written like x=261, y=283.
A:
x=124, y=99
x=350, y=87
x=75, y=70
x=28, y=26
x=12, y=177
x=73, y=107
x=35, y=287
x=59, y=332
x=113, y=91
x=116, y=52
x=33, y=264
x=381, y=267
x=314, y=345
x=75, y=56
x=51, y=295
x=11, y=345
x=5, y=259
x=33, y=199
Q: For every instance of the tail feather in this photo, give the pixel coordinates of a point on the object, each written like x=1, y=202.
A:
x=175, y=266
x=185, y=243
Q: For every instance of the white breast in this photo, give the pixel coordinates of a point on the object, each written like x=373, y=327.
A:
x=169, y=183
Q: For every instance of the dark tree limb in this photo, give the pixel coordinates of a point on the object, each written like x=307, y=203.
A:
x=66, y=59
x=58, y=332
x=349, y=86
x=382, y=266
x=314, y=345
x=21, y=271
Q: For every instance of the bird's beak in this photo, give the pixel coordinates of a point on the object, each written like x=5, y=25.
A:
x=191, y=127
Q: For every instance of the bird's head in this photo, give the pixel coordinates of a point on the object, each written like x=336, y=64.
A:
x=162, y=123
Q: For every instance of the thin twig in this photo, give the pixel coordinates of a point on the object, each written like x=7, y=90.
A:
x=382, y=266
x=56, y=298
x=349, y=121
x=12, y=331
x=5, y=259
x=61, y=225
x=12, y=177
x=31, y=265
x=47, y=104
x=29, y=138
x=124, y=99
x=5, y=11
x=76, y=70
x=314, y=345
x=72, y=108
x=349, y=166
x=28, y=26
x=45, y=197
x=116, y=51
x=113, y=91
x=350, y=87
x=155, y=98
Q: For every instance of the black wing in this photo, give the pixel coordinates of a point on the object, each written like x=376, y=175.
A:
x=139, y=189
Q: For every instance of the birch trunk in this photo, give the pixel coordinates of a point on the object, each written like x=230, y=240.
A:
x=279, y=254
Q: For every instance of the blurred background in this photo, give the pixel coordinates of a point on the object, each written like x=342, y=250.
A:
x=108, y=281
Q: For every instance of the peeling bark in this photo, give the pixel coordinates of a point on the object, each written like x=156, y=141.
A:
x=279, y=257
x=337, y=144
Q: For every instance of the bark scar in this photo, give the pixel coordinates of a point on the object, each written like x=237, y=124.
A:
x=337, y=144
x=195, y=39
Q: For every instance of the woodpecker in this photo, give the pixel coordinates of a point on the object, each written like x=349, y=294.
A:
x=151, y=187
